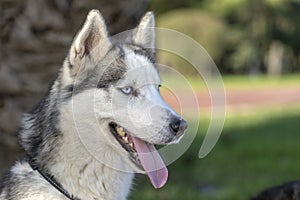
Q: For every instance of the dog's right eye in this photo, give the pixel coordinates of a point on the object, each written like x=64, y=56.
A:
x=127, y=90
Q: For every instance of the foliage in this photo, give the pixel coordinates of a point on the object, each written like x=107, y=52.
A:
x=251, y=26
x=206, y=29
x=160, y=6
x=254, y=152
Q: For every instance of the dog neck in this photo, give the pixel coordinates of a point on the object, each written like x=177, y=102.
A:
x=83, y=174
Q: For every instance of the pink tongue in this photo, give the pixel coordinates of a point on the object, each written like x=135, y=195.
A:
x=151, y=162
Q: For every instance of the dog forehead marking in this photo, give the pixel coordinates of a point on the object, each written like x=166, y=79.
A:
x=140, y=68
x=134, y=60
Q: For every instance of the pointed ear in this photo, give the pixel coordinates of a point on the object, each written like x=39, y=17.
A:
x=144, y=34
x=90, y=43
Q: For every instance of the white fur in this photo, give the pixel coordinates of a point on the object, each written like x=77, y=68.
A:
x=89, y=145
x=90, y=44
x=145, y=32
x=80, y=170
x=146, y=116
x=91, y=164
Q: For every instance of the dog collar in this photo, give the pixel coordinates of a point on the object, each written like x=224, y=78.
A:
x=50, y=179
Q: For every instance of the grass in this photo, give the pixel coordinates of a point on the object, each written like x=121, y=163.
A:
x=254, y=152
x=261, y=81
x=238, y=82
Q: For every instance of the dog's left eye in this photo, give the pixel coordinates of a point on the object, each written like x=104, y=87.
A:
x=127, y=90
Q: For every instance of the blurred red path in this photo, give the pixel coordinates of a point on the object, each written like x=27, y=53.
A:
x=239, y=98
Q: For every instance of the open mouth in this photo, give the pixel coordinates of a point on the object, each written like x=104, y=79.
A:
x=123, y=137
x=143, y=154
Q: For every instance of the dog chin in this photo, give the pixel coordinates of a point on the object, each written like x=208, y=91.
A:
x=134, y=166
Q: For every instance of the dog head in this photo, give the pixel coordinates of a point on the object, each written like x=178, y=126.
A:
x=122, y=80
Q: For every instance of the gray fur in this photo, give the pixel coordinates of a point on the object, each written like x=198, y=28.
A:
x=94, y=64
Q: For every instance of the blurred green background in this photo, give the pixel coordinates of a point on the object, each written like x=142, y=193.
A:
x=242, y=36
x=255, y=44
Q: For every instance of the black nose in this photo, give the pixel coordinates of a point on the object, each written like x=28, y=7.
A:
x=178, y=125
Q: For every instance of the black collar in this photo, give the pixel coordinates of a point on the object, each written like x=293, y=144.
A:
x=53, y=182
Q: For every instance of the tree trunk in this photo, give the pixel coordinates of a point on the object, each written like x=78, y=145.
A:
x=275, y=58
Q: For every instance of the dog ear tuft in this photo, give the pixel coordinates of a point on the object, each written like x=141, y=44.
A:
x=90, y=43
x=144, y=34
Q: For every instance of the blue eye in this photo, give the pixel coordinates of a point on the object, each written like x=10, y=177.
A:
x=127, y=90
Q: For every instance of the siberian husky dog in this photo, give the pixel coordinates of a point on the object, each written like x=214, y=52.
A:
x=99, y=122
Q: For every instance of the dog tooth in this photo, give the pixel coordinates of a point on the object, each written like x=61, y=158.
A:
x=131, y=145
x=125, y=139
x=122, y=133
